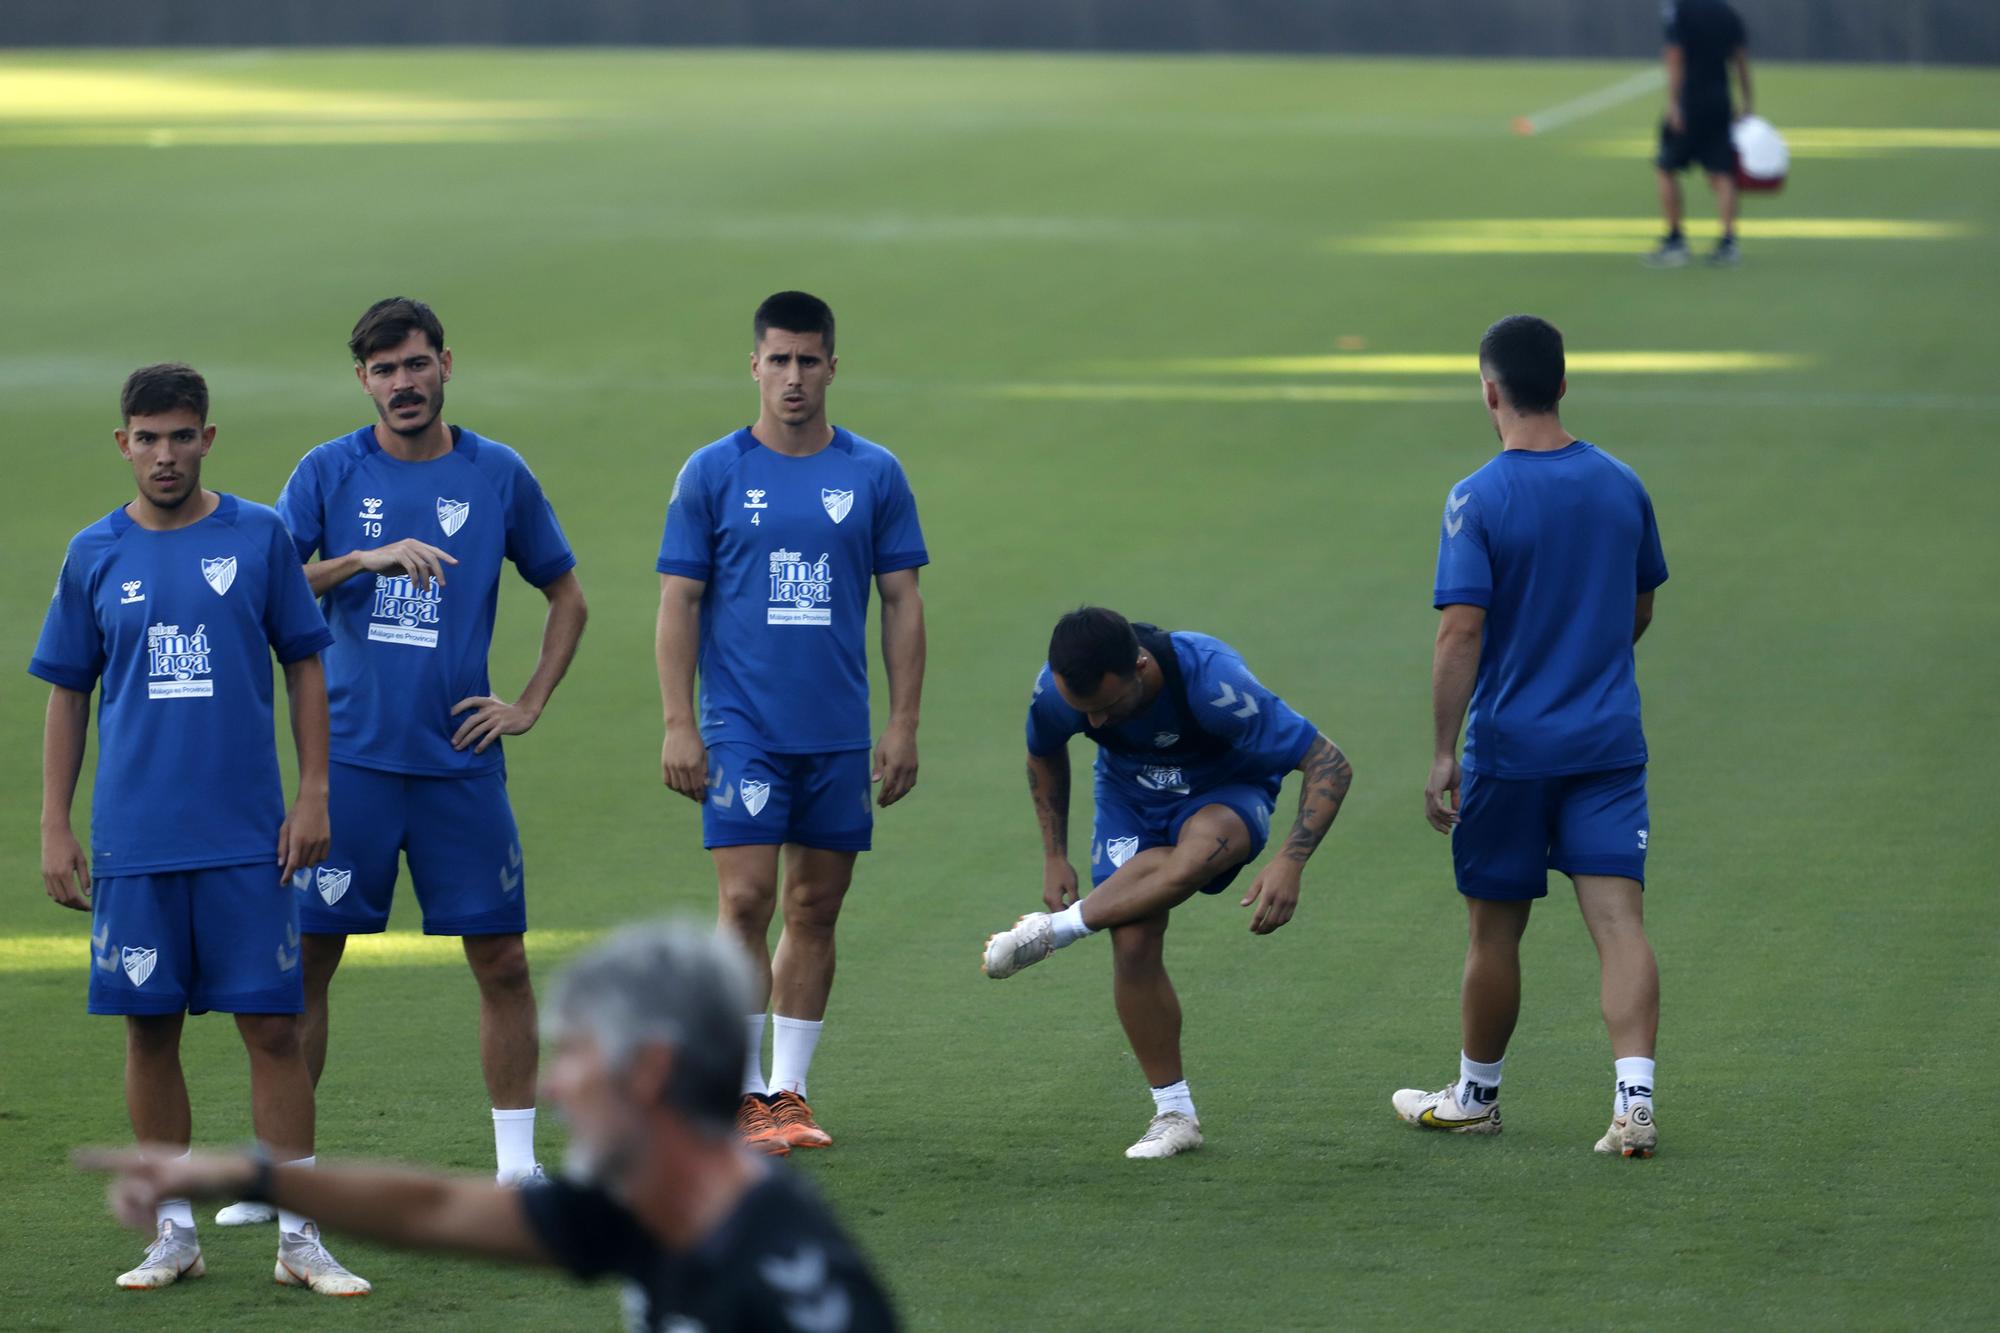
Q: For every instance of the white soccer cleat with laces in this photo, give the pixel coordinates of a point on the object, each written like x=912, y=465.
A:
x=1031, y=939
x=1440, y=1110
x=304, y=1262
x=1633, y=1134
x=246, y=1215
x=174, y=1254
x=1170, y=1133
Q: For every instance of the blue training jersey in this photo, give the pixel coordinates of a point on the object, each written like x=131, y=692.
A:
x=1225, y=729
x=175, y=630
x=402, y=658
x=1557, y=547
x=786, y=547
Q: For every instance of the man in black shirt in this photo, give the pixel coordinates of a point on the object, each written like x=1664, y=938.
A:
x=649, y=1056
x=1705, y=39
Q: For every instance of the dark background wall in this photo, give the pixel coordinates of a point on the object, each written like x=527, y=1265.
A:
x=1954, y=31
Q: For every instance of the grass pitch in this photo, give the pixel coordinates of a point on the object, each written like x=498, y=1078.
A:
x=1091, y=304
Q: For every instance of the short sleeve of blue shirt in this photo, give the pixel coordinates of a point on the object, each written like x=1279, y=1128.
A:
x=535, y=541
x=687, y=546
x=1464, y=563
x=1051, y=722
x=1233, y=704
x=292, y=619
x=302, y=506
x=70, y=652
x=899, y=539
x=1652, y=560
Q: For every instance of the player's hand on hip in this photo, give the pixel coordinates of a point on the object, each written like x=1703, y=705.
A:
x=684, y=763
x=492, y=717
x=1441, y=793
x=1275, y=892
x=66, y=869
x=1059, y=888
x=895, y=764
x=422, y=562
x=304, y=838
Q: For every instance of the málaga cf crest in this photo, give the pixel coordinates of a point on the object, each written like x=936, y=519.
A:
x=332, y=884
x=754, y=795
x=451, y=514
x=220, y=572
x=837, y=503
x=1120, y=850
x=139, y=963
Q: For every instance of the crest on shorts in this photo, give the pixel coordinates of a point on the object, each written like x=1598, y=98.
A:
x=1121, y=850
x=332, y=884
x=139, y=963
x=451, y=514
x=837, y=503
x=755, y=794
x=220, y=571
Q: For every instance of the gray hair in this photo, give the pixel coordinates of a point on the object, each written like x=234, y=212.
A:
x=670, y=983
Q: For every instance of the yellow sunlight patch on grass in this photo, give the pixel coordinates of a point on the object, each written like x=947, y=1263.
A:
x=1226, y=393
x=1833, y=141
x=262, y=136
x=29, y=93
x=1623, y=235
x=396, y=948
x=1466, y=363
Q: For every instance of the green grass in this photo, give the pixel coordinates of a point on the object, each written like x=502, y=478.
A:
x=1818, y=684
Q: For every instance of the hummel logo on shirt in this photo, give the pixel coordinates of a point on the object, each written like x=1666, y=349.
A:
x=134, y=592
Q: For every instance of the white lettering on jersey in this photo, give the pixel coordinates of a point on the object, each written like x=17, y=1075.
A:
x=134, y=592
x=1161, y=777
x=404, y=614
x=452, y=514
x=801, y=591
x=754, y=499
x=177, y=664
x=220, y=571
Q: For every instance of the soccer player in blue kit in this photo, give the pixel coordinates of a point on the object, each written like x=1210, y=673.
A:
x=171, y=607
x=1192, y=750
x=1547, y=562
x=772, y=535
x=411, y=519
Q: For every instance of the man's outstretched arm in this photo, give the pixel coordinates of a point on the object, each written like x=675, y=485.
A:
x=1328, y=775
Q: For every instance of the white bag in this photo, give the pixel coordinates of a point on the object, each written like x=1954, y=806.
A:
x=1762, y=160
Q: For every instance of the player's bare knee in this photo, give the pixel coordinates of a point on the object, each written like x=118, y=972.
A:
x=745, y=907
x=499, y=962
x=153, y=1036
x=273, y=1037
x=813, y=908
x=1138, y=946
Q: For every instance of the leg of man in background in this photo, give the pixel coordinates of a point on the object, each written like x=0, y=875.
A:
x=1489, y=1004
x=746, y=880
x=1726, y=199
x=509, y=1047
x=1672, y=251
x=1629, y=989
x=816, y=883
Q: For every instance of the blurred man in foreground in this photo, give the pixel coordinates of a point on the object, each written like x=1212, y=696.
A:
x=649, y=1050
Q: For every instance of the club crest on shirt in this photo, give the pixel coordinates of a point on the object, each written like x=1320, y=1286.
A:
x=139, y=963
x=755, y=794
x=1121, y=850
x=452, y=514
x=837, y=503
x=220, y=571
x=332, y=884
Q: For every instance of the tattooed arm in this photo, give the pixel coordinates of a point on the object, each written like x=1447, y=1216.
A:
x=1276, y=890
x=1048, y=788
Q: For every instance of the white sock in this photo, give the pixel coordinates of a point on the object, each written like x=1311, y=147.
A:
x=1635, y=1083
x=513, y=1143
x=753, y=1068
x=1174, y=1097
x=178, y=1211
x=289, y=1222
x=1478, y=1085
x=792, y=1044
x=1068, y=926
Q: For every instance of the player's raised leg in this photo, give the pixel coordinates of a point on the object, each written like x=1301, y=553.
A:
x=1629, y=990
x=816, y=884
x=746, y=884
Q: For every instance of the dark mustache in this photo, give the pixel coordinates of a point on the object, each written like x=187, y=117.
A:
x=407, y=398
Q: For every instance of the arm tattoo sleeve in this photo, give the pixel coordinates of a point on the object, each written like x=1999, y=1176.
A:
x=1048, y=788
x=1328, y=776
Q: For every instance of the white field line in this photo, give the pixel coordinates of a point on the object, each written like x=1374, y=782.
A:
x=1577, y=108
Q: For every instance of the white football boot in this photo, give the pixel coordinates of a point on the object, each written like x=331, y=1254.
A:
x=246, y=1215
x=1440, y=1110
x=1633, y=1134
x=174, y=1254
x=1031, y=939
x=1170, y=1132
x=304, y=1262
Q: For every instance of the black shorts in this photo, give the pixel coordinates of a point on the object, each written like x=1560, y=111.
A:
x=1706, y=141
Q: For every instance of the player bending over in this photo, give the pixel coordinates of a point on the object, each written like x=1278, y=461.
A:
x=1191, y=753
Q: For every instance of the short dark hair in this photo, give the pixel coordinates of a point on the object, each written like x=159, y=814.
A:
x=794, y=312
x=390, y=320
x=167, y=387
x=1525, y=354
x=1093, y=642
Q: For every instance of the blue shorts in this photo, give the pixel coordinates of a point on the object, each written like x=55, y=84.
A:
x=224, y=938
x=1126, y=826
x=757, y=799
x=1512, y=831
x=458, y=835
